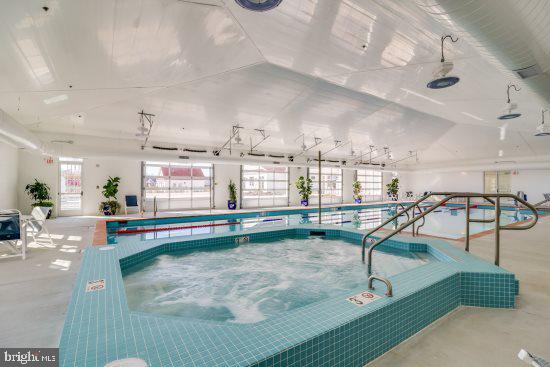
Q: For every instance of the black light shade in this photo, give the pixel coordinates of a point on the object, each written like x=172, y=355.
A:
x=509, y=116
x=259, y=5
x=443, y=82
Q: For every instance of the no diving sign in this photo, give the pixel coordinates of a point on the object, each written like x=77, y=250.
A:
x=363, y=298
x=95, y=285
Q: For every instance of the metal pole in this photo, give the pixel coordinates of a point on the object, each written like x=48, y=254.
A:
x=497, y=230
x=319, y=179
x=467, y=224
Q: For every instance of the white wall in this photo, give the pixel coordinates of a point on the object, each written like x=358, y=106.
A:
x=35, y=166
x=419, y=182
x=293, y=174
x=94, y=174
x=96, y=171
x=222, y=174
x=533, y=182
x=348, y=176
x=9, y=166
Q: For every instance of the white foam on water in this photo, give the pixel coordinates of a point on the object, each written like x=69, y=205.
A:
x=254, y=281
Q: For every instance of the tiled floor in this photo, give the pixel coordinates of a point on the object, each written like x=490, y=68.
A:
x=35, y=295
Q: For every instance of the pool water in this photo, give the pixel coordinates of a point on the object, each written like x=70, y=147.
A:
x=255, y=281
x=447, y=222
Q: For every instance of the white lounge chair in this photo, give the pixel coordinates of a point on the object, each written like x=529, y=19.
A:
x=36, y=222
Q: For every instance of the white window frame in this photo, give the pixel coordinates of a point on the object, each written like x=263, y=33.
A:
x=330, y=192
x=371, y=184
x=170, y=202
x=261, y=180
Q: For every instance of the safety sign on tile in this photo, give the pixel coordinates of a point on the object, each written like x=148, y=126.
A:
x=363, y=298
x=95, y=285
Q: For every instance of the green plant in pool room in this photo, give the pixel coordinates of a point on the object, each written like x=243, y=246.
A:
x=357, y=192
x=110, y=190
x=232, y=189
x=304, y=189
x=393, y=188
x=39, y=192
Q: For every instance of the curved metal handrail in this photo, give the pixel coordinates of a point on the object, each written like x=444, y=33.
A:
x=449, y=196
x=388, y=221
x=423, y=220
x=389, y=292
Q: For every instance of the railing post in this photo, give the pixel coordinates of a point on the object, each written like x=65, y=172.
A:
x=497, y=230
x=414, y=223
x=319, y=180
x=467, y=248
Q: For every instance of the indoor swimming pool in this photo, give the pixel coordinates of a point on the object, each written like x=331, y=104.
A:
x=252, y=282
x=445, y=222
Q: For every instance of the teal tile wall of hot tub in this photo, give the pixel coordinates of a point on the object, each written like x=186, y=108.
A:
x=99, y=326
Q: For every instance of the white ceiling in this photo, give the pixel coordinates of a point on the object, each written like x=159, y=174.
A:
x=348, y=70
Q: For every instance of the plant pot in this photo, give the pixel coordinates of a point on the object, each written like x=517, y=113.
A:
x=47, y=210
x=231, y=204
x=106, y=209
x=304, y=202
x=358, y=200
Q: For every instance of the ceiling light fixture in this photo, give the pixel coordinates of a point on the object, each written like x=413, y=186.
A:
x=540, y=129
x=59, y=98
x=259, y=5
x=510, y=107
x=422, y=96
x=441, y=80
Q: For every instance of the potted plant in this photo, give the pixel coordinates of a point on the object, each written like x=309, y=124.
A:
x=304, y=189
x=357, y=192
x=110, y=190
x=39, y=192
x=232, y=202
x=393, y=188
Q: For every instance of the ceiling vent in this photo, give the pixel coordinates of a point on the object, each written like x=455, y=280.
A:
x=529, y=71
x=259, y=5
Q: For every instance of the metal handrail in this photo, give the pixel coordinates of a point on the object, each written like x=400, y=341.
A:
x=389, y=292
x=541, y=203
x=448, y=196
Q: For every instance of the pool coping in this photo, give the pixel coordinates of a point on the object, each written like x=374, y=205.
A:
x=108, y=329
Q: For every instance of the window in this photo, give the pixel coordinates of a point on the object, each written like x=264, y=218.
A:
x=177, y=185
x=264, y=186
x=371, y=184
x=331, y=185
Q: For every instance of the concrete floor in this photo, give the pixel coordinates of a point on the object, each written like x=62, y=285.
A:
x=35, y=294
x=490, y=337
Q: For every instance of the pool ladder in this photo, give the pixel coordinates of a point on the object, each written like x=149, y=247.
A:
x=447, y=196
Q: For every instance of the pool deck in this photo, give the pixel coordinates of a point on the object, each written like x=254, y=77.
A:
x=36, y=293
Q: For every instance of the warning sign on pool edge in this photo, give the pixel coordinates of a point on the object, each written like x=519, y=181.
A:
x=363, y=298
x=95, y=285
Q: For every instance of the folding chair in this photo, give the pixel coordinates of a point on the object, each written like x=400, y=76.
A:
x=37, y=223
x=131, y=201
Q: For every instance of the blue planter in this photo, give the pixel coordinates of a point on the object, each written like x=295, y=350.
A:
x=231, y=205
x=106, y=209
x=357, y=201
x=304, y=202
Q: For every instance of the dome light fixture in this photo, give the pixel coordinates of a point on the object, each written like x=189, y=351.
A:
x=541, y=131
x=259, y=5
x=510, y=107
x=441, y=80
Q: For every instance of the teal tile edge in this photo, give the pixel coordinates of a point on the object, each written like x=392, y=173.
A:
x=100, y=328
